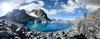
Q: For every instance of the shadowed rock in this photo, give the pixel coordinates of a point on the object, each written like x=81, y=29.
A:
x=19, y=16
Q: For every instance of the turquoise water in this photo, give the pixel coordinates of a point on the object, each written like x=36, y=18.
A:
x=48, y=27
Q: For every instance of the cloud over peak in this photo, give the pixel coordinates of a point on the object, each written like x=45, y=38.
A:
x=88, y=2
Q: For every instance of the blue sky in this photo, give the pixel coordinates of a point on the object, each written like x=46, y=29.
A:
x=57, y=5
x=54, y=4
x=58, y=9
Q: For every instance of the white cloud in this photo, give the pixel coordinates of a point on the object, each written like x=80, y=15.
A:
x=70, y=6
x=50, y=12
x=53, y=12
x=30, y=7
x=41, y=3
x=91, y=8
x=16, y=1
x=29, y=1
x=6, y=7
x=91, y=5
x=21, y=1
x=89, y=2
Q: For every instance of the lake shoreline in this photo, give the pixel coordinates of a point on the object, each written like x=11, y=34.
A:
x=25, y=33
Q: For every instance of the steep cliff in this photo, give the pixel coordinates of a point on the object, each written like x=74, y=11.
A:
x=41, y=14
x=19, y=16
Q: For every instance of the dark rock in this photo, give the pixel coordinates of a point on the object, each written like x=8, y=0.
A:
x=50, y=34
x=45, y=37
x=19, y=16
x=65, y=35
x=63, y=32
x=81, y=36
x=5, y=35
x=59, y=38
x=14, y=27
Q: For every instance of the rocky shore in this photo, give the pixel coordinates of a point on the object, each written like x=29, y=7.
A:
x=9, y=31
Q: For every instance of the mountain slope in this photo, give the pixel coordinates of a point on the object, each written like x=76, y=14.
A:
x=90, y=25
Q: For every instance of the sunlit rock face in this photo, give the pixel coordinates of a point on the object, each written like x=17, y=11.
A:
x=41, y=14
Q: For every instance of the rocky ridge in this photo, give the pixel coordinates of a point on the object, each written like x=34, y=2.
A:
x=89, y=25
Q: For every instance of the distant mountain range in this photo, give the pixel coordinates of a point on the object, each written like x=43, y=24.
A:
x=21, y=16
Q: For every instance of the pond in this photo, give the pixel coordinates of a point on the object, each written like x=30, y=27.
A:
x=48, y=27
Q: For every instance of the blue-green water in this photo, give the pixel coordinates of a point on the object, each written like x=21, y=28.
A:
x=48, y=27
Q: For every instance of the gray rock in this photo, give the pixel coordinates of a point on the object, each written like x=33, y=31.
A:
x=41, y=14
